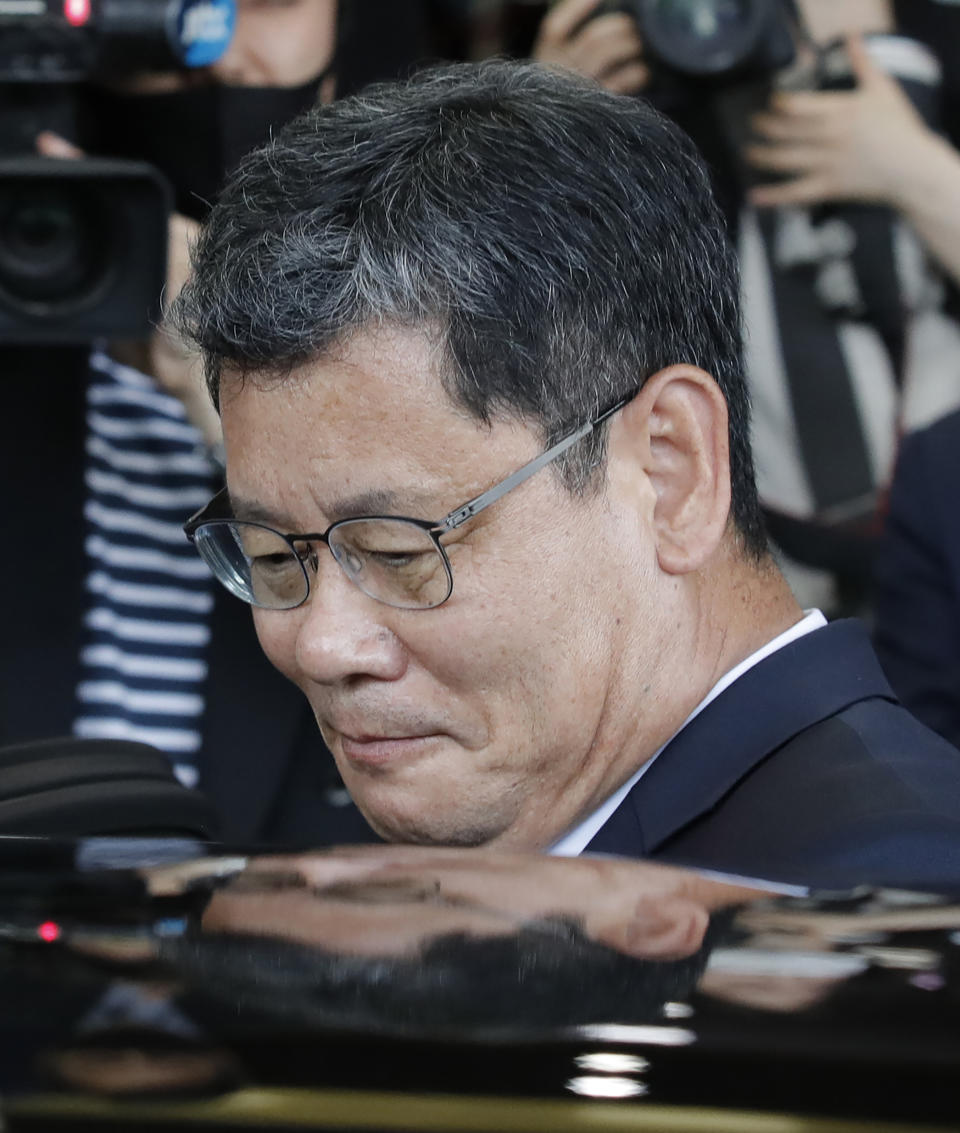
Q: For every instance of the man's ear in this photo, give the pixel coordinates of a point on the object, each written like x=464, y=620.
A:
x=676, y=430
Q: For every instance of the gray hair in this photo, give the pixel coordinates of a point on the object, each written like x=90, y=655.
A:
x=563, y=241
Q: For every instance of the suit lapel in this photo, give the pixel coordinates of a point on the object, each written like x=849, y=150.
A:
x=806, y=681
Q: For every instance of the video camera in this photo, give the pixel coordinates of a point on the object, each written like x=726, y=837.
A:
x=83, y=243
x=716, y=39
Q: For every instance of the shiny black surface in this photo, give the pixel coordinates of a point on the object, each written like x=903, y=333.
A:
x=144, y=985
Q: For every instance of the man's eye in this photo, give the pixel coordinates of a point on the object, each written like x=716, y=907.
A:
x=395, y=560
x=276, y=562
x=277, y=577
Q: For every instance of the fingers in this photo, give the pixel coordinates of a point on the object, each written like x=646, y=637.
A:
x=182, y=233
x=816, y=106
x=785, y=158
x=606, y=48
x=630, y=79
x=811, y=189
x=809, y=166
x=607, y=41
x=563, y=20
x=52, y=145
x=865, y=71
x=801, y=134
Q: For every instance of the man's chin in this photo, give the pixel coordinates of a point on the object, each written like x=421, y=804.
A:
x=424, y=829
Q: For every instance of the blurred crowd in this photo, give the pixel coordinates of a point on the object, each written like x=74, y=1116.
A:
x=839, y=175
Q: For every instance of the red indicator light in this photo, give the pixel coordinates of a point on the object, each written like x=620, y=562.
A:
x=77, y=12
x=49, y=931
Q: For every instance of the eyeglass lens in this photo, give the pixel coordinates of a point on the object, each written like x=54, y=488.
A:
x=391, y=560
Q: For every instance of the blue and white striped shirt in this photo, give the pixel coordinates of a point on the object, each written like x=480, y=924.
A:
x=146, y=626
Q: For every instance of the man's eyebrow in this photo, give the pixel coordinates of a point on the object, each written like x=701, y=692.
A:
x=380, y=501
x=252, y=512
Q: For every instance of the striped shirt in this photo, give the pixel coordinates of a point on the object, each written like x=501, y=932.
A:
x=149, y=597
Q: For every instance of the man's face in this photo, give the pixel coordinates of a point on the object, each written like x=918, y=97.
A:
x=505, y=714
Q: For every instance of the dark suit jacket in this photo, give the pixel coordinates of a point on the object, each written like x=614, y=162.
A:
x=263, y=764
x=805, y=770
x=917, y=578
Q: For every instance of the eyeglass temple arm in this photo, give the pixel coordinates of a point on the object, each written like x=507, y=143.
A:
x=455, y=518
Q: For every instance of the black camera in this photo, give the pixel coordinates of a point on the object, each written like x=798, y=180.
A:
x=83, y=243
x=82, y=249
x=717, y=39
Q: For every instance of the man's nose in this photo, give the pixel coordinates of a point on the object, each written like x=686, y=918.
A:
x=343, y=633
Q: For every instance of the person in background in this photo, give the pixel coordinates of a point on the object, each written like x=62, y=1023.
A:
x=490, y=494
x=121, y=634
x=843, y=206
x=917, y=573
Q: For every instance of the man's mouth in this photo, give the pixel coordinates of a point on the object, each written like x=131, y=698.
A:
x=377, y=750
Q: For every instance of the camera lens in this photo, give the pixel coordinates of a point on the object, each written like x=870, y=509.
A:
x=702, y=20
x=704, y=37
x=54, y=248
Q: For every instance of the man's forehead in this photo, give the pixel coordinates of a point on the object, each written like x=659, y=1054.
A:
x=385, y=348
x=380, y=391
x=372, y=394
x=367, y=428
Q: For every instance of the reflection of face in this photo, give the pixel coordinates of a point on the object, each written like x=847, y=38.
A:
x=393, y=900
x=354, y=919
x=502, y=714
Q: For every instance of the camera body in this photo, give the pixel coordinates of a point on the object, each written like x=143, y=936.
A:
x=83, y=243
x=718, y=40
x=60, y=41
x=83, y=249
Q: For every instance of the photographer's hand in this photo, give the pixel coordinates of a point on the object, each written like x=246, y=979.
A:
x=177, y=367
x=606, y=48
x=840, y=145
x=869, y=145
x=172, y=364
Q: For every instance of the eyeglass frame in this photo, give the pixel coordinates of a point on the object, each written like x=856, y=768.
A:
x=450, y=522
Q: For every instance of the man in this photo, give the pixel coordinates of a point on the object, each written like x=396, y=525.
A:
x=405, y=299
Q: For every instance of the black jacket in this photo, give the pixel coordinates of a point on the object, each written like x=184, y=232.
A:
x=805, y=770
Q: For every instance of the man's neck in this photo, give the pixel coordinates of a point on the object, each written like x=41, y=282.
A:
x=760, y=615
x=723, y=614
x=751, y=607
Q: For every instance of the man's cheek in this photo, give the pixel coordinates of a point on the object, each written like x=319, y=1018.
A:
x=277, y=633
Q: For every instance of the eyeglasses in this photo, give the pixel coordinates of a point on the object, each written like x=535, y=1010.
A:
x=395, y=559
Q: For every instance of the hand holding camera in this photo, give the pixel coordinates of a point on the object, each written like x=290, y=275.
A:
x=864, y=144
x=624, y=43
x=867, y=144
x=603, y=45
